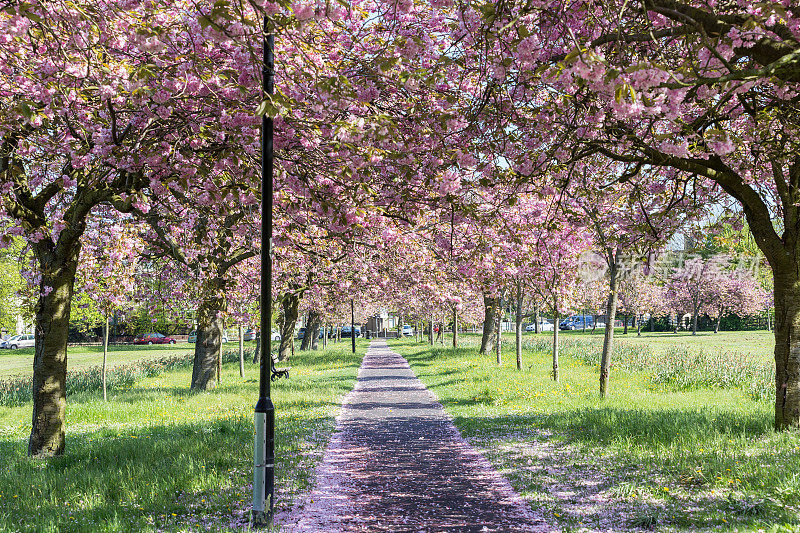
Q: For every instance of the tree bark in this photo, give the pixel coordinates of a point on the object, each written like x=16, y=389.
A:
x=290, y=311
x=455, y=328
x=625, y=325
x=652, y=323
x=208, y=344
x=257, y=355
x=518, y=329
x=555, y=345
x=608, y=338
x=719, y=319
x=105, y=359
x=50, y=358
x=353, y=325
x=490, y=306
x=499, y=342
x=787, y=349
x=536, y=325
x=311, y=336
x=695, y=312
x=241, y=351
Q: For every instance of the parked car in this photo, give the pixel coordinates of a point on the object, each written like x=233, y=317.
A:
x=577, y=322
x=347, y=332
x=544, y=325
x=251, y=334
x=19, y=341
x=155, y=338
x=301, y=333
x=408, y=330
x=193, y=337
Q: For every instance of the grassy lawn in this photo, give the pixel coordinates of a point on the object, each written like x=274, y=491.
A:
x=159, y=457
x=20, y=362
x=649, y=456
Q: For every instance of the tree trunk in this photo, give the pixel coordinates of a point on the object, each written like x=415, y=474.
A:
x=353, y=324
x=207, y=346
x=325, y=330
x=315, y=328
x=241, y=351
x=555, y=345
x=787, y=349
x=311, y=336
x=719, y=319
x=257, y=355
x=50, y=357
x=290, y=311
x=536, y=326
x=518, y=329
x=638, y=325
x=608, y=338
x=105, y=360
x=625, y=325
x=652, y=323
x=695, y=312
x=305, y=343
x=498, y=347
x=490, y=306
x=455, y=328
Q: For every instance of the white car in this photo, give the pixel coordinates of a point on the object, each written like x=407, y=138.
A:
x=544, y=325
x=250, y=335
x=193, y=337
x=20, y=341
x=408, y=330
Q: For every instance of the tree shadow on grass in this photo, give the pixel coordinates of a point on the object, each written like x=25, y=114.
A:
x=142, y=479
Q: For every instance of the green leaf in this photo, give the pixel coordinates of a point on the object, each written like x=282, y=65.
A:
x=267, y=107
x=25, y=109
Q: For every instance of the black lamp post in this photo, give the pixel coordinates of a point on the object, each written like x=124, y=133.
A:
x=353, y=323
x=264, y=449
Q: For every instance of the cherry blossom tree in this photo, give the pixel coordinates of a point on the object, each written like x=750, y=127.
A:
x=702, y=90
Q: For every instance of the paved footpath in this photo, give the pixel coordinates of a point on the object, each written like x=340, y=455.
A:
x=396, y=462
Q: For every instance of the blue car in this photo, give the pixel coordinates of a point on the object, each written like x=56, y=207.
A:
x=577, y=322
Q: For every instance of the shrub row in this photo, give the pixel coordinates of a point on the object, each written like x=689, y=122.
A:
x=18, y=390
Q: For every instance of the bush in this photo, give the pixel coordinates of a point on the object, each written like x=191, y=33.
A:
x=17, y=391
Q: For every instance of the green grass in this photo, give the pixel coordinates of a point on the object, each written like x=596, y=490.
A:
x=160, y=457
x=657, y=457
x=20, y=362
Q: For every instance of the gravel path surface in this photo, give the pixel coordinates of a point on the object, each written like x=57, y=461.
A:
x=396, y=462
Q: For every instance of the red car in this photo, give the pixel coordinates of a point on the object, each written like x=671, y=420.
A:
x=153, y=338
